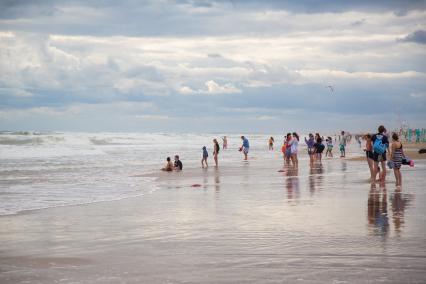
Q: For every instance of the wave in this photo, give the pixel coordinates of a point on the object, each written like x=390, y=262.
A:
x=29, y=140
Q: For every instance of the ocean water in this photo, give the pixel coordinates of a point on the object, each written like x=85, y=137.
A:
x=42, y=170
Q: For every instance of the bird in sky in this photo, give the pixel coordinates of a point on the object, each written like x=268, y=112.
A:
x=331, y=88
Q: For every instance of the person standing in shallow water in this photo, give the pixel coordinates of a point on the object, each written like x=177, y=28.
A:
x=216, y=149
x=225, y=142
x=310, y=144
x=369, y=155
x=380, y=140
x=294, y=145
x=329, y=143
x=287, y=144
x=245, y=147
x=205, y=156
x=342, y=145
x=396, y=155
x=271, y=143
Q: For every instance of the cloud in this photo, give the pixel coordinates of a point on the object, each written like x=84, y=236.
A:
x=133, y=62
x=418, y=95
x=15, y=92
x=213, y=88
x=358, y=22
x=214, y=55
x=23, y=93
x=265, y=117
x=416, y=37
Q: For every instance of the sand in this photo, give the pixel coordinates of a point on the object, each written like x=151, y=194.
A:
x=411, y=150
x=244, y=223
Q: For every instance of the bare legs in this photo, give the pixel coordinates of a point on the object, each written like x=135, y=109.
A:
x=371, y=166
x=311, y=159
x=382, y=174
x=398, y=176
x=294, y=160
x=204, y=161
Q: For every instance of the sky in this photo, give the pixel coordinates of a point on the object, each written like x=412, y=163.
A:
x=212, y=66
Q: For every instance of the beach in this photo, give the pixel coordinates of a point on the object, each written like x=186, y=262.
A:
x=254, y=221
x=411, y=150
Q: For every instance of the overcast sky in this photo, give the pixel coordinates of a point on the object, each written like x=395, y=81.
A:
x=189, y=65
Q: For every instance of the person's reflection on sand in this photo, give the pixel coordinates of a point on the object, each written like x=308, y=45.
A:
x=292, y=183
x=217, y=182
x=315, y=177
x=205, y=180
x=378, y=211
x=399, y=202
x=344, y=166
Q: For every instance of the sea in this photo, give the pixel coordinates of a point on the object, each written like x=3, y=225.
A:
x=42, y=170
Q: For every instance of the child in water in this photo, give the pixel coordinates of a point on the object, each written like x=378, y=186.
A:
x=178, y=163
x=329, y=142
x=169, y=165
x=205, y=156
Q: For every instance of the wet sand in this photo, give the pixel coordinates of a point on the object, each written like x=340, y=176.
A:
x=244, y=223
x=411, y=150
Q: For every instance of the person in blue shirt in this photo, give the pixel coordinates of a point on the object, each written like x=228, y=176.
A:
x=205, y=156
x=380, y=157
x=245, y=147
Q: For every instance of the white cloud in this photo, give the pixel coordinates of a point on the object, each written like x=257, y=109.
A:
x=212, y=88
x=265, y=117
x=23, y=93
x=49, y=60
x=215, y=88
x=186, y=91
x=323, y=74
x=418, y=95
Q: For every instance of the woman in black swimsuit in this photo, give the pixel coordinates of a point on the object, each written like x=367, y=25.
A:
x=216, y=149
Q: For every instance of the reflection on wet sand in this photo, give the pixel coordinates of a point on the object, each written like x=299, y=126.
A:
x=378, y=212
x=292, y=182
x=315, y=177
x=378, y=219
x=216, y=183
x=399, y=202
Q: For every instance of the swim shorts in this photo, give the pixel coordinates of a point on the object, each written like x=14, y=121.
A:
x=379, y=157
x=369, y=154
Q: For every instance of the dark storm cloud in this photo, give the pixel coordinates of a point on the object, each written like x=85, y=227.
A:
x=417, y=37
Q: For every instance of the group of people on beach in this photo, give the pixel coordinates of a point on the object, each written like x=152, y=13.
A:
x=289, y=149
x=378, y=150
x=216, y=148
